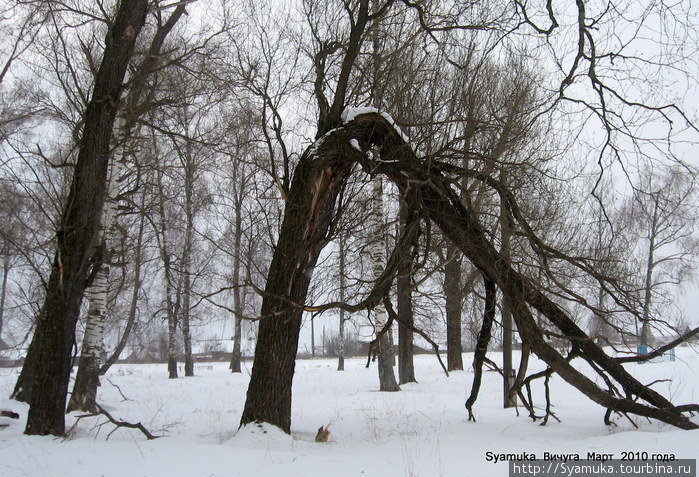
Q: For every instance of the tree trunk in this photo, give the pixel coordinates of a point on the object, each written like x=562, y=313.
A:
x=508, y=398
x=87, y=378
x=406, y=368
x=454, y=294
x=77, y=238
x=170, y=292
x=387, y=378
x=309, y=211
x=238, y=292
x=482, y=344
x=341, y=332
x=133, y=306
x=3, y=291
x=84, y=395
x=189, y=183
x=648, y=282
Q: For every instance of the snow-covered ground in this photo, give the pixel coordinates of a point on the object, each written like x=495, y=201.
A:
x=420, y=431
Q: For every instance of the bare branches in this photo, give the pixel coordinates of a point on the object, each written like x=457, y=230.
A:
x=115, y=422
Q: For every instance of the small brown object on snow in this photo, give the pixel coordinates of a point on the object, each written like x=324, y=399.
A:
x=323, y=433
x=10, y=414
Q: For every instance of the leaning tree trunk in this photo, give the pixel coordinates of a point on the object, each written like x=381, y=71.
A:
x=454, y=295
x=87, y=378
x=78, y=232
x=318, y=179
x=309, y=211
x=459, y=225
x=406, y=367
x=439, y=201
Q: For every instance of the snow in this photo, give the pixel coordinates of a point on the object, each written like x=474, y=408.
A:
x=419, y=431
x=350, y=113
x=314, y=147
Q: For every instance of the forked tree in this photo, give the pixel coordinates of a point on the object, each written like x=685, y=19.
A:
x=346, y=137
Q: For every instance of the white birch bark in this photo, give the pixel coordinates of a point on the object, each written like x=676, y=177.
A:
x=87, y=378
x=387, y=378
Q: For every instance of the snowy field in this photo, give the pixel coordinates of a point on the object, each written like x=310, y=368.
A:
x=420, y=431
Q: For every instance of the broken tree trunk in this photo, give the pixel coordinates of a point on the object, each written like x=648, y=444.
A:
x=439, y=201
x=310, y=209
x=318, y=178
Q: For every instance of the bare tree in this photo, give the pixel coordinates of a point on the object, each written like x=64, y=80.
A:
x=84, y=392
x=343, y=140
x=662, y=213
x=70, y=273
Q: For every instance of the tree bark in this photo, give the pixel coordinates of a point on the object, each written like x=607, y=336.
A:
x=453, y=291
x=133, y=306
x=309, y=211
x=23, y=387
x=343, y=283
x=77, y=236
x=84, y=395
x=406, y=367
x=482, y=344
x=387, y=378
x=3, y=291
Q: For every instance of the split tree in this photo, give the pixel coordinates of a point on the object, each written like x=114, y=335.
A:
x=345, y=137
